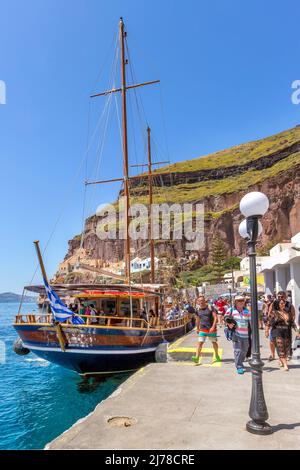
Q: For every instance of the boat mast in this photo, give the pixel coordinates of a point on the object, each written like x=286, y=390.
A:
x=152, y=267
x=122, y=35
x=150, y=192
x=126, y=177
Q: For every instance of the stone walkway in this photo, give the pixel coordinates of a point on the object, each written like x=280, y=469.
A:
x=176, y=405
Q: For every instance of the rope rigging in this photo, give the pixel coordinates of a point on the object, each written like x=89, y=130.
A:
x=98, y=138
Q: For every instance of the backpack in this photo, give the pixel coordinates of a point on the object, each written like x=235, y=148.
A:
x=229, y=333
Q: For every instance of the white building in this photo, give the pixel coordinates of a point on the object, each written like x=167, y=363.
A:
x=239, y=275
x=138, y=264
x=282, y=269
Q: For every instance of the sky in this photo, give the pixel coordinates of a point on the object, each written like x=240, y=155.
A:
x=226, y=70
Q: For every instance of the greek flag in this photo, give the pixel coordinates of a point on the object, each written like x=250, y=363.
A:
x=60, y=312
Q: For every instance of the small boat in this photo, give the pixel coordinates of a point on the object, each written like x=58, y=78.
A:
x=115, y=338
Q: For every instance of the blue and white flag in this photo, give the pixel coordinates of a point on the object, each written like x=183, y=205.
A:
x=60, y=311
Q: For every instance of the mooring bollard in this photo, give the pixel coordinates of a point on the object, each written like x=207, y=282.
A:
x=161, y=352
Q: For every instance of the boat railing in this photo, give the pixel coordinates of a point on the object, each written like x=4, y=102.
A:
x=104, y=320
x=93, y=320
x=175, y=322
x=34, y=318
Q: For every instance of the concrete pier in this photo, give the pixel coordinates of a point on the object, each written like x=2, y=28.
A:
x=177, y=405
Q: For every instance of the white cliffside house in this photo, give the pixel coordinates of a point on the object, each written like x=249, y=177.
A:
x=282, y=269
x=139, y=264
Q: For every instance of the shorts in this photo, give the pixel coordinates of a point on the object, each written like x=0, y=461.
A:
x=202, y=337
x=271, y=339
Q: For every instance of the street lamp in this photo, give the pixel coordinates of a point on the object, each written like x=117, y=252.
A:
x=253, y=206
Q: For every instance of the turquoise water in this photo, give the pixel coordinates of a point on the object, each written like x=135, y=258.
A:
x=39, y=400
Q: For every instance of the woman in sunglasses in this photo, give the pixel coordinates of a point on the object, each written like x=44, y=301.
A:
x=281, y=321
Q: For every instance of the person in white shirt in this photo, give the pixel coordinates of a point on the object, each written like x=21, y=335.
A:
x=260, y=307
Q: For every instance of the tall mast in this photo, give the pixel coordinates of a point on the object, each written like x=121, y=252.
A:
x=150, y=207
x=122, y=34
x=126, y=178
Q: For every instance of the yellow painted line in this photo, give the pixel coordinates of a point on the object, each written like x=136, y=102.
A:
x=177, y=343
x=204, y=350
x=184, y=350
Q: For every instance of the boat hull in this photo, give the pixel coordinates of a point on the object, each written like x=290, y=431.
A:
x=96, y=350
x=96, y=363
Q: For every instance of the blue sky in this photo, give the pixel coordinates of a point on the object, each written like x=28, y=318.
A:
x=226, y=69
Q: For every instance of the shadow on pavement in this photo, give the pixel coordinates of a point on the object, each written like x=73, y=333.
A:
x=279, y=427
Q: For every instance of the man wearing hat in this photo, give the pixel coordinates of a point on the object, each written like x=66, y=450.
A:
x=242, y=317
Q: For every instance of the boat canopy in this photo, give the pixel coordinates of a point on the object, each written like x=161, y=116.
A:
x=95, y=294
x=96, y=290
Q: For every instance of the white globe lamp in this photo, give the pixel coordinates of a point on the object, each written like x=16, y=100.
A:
x=243, y=229
x=254, y=203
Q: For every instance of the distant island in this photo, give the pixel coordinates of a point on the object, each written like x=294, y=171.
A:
x=6, y=297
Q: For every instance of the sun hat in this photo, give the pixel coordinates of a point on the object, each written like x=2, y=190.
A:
x=239, y=297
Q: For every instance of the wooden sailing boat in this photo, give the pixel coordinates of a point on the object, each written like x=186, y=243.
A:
x=117, y=338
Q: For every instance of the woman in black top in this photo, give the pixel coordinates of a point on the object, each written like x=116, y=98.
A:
x=281, y=323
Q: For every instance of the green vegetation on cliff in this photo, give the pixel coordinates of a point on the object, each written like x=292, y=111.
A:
x=235, y=181
x=238, y=155
x=238, y=182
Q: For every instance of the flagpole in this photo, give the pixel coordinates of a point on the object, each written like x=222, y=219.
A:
x=58, y=328
x=39, y=255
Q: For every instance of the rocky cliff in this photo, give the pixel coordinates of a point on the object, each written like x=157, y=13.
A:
x=219, y=180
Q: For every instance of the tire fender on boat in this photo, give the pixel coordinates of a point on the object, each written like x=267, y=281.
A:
x=19, y=348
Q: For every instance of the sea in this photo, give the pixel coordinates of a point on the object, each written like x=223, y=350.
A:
x=39, y=400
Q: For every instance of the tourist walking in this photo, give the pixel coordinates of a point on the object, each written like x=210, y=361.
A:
x=206, y=323
x=289, y=308
x=221, y=310
x=242, y=316
x=281, y=323
x=268, y=302
x=260, y=306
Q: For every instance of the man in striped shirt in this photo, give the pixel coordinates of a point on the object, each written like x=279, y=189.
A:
x=242, y=316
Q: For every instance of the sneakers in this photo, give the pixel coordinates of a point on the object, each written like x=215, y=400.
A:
x=240, y=371
x=216, y=359
x=197, y=360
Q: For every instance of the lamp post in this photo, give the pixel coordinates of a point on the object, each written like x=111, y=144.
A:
x=253, y=206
